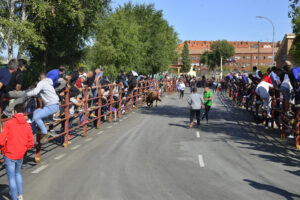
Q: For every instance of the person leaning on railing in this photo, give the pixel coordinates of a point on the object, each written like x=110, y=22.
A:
x=15, y=90
x=50, y=101
x=6, y=75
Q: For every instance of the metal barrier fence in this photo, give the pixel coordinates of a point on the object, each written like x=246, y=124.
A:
x=110, y=100
x=289, y=113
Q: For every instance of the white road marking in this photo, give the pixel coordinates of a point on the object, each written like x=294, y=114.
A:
x=75, y=147
x=59, y=157
x=201, y=162
x=198, y=134
x=38, y=170
x=109, y=127
x=89, y=139
x=99, y=133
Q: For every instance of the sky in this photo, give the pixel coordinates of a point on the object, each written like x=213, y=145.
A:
x=233, y=20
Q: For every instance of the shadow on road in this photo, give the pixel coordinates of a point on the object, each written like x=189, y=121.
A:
x=273, y=189
x=4, y=192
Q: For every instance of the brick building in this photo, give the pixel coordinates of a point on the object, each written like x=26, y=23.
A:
x=247, y=54
x=283, y=54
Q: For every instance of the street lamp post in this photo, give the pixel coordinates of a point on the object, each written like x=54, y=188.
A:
x=261, y=17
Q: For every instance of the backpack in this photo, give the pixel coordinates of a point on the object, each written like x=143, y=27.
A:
x=132, y=82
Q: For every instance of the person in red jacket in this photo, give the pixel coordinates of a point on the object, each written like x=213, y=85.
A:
x=15, y=139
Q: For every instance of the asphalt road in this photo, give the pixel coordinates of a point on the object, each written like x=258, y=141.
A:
x=152, y=155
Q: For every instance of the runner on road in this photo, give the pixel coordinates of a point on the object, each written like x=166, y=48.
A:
x=195, y=102
x=207, y=96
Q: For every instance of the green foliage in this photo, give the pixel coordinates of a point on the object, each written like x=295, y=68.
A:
x=134, y=37
x=218, y=49
x=66, y=28
x=295, y=49
x=186, y=59
x=208, y=58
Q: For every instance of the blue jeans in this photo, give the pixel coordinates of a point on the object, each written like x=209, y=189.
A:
x=42, y=113
x=13, y=170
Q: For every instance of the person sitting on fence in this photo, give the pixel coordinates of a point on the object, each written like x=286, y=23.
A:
x=262, y=90
x=75, y=99
x=286, y=86
x=55, y=74
x=6, y=74
x=16, y=88
x=15, y=139
x=50, y=101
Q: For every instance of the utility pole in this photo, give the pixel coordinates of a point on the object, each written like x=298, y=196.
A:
x=261, y=17
x=221, y=74
x=258, y=63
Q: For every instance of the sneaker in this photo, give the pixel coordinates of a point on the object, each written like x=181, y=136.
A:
x=7, y=114
x=291, y=136
x=28, y=121
x=20, y=197
x=56, y=118
x=44, y=137
x=123, y=112
x=93, y=115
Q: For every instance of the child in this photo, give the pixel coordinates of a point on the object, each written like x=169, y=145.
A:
x=15, y=139
x=195, y=102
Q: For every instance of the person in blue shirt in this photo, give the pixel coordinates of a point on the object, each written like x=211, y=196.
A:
x=6, y=74
x=55, y=74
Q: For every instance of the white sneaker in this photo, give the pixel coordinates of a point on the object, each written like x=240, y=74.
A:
x=29, y=121
x=20, y=197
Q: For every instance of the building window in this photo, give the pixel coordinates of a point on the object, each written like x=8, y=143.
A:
x=263, y=64
x=248, y=57
x=198, y=58
x=248, y=64
x=263, y=57
x=270, y=57
x=255, y=57
x=244, y=57
x=255, y=64
x=237, y=58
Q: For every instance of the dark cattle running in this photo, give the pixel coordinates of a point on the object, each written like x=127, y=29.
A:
x=151, y=97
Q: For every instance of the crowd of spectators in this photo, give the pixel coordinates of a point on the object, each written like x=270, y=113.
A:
x=51, y=87
x=280, y=83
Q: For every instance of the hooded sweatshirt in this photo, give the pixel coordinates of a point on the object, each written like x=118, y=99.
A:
x=16, y=137
x=46, y=90
x=195, y=101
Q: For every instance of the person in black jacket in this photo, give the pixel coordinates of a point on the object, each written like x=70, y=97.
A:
x=16, y=88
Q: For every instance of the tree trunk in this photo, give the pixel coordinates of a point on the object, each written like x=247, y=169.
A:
x=44, y=65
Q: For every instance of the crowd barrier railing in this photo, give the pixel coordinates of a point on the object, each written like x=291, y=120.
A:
x=289, y=113
x=111, y=100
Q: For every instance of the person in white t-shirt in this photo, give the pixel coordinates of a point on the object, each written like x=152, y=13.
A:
x=262, y=90
x=181, y=89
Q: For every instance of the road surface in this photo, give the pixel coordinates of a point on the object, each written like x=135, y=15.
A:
x=153, y=155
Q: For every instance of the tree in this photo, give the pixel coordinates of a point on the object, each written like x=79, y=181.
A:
x=293, y=12
x=66, y=31
x=186, y=59
x=295, y=49
x=134, y=37
x=208, y=58
x=219, y=49
x=15, y=28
